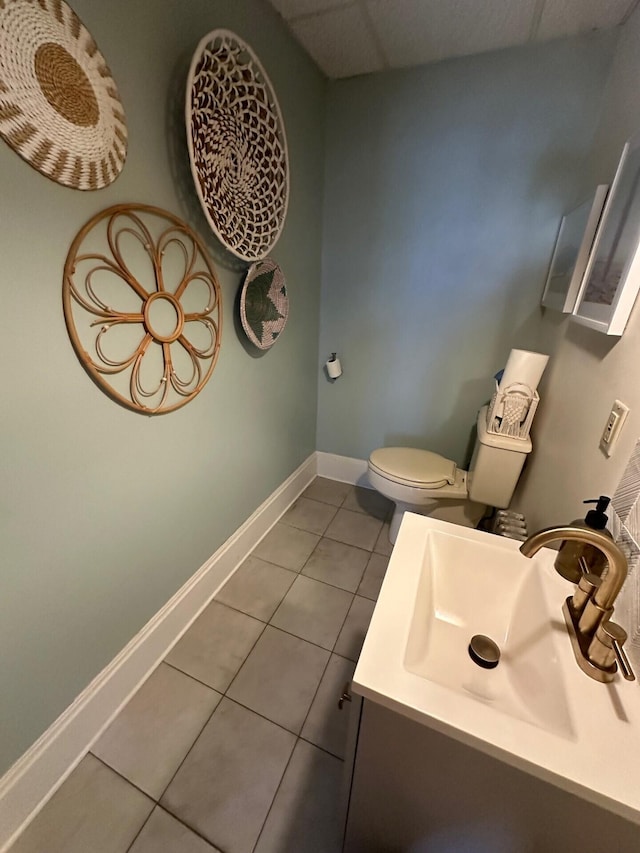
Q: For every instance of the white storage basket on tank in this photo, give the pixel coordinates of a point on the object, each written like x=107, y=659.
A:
x=512, y=410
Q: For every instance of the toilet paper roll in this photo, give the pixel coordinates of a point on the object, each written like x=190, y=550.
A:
x=334, y=368
x=525, y=367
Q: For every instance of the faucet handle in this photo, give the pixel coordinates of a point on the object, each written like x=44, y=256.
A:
x=584, y=592
x=614, y=636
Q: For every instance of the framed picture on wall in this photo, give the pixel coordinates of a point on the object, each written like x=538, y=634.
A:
x=612, y=277
x=571, y=252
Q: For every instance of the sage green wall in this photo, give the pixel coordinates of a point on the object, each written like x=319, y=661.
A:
x=444, y=188
x=105, y=513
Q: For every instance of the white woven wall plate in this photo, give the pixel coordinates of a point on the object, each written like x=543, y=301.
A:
x=264, y=303
x=59, y=105
x=237, y=145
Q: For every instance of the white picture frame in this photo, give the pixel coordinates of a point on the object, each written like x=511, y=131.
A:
x=571, y=252
x=612, y=278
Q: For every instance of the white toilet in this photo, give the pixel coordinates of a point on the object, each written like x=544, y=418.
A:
x=427, y=483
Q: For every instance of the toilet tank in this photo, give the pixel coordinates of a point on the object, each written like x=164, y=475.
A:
x=496, y=465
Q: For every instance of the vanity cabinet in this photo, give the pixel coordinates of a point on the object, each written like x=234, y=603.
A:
x=415, y=790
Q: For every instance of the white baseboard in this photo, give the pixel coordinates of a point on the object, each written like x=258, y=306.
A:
x=343, y=468
x=35, y=777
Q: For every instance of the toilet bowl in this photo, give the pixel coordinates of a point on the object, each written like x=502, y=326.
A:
x=429, y=484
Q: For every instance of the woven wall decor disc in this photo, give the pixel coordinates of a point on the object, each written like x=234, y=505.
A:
x=237, y=145
x=143, y=307
x=264, y=303
x=59, y=105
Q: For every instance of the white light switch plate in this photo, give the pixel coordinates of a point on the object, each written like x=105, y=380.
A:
x=615, y=421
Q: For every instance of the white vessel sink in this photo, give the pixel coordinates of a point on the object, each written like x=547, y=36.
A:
x=536, y=710
x=469, y=587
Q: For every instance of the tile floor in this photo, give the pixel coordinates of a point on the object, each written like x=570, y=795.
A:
x=235, y=743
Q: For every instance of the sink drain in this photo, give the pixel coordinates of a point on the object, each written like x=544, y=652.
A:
x=484, y=652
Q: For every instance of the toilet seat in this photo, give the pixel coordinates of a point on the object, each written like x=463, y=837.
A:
x=408, y=466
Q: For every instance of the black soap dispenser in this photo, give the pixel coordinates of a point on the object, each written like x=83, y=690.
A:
x=567, y=562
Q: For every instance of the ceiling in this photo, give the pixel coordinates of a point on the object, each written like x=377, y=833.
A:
x=349, y=37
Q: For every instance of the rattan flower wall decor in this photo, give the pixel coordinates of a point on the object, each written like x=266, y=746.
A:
x=237, y=145
x=59, y=106
x=143, y=307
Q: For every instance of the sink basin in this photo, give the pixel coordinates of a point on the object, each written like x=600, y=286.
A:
x=476, y=587
x=537, y=710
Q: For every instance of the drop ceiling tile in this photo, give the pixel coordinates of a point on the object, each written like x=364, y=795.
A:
x=413, y=32
x=569, y=17
x=340, y=42
x=294, y=8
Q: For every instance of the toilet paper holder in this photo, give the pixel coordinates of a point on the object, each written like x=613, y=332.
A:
x=333, y=366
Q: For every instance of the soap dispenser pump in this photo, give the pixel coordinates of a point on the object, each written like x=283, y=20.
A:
x=572, y=554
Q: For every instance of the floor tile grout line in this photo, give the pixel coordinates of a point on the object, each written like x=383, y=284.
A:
x=264, y=560
x=193, y=678
x=306, y=716
x=157, y=802
x=322, y=748
x=188, y=674
x=344, y=621
x=313, y=500
x=224, y=694
x=284, y=630
x=177, y=770
x=317, y=500
x=361, y=594
x=333, y=585
x=299, y=574
x=342, y=506
x=214, y=847
x=357, y=547
x=298, y=739
x=137, y=835
x=338, y=505
x=245, y=613
x=295, y=636
x=300, y=571
x=296, y=735
x=275, y=628
x=164, y=790
x=304, y=565
x=305, y=529
x=297, y=527
x=370, y=550
x=322, y=536
x=122, y=776
x=275, y=794
x=362, y=511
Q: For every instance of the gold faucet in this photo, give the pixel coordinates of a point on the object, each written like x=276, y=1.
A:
x=597, y=641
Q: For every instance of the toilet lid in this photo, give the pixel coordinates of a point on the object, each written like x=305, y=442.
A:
x=413, y=467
